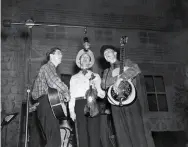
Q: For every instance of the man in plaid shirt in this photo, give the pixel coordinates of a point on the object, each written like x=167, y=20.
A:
x=48, y=77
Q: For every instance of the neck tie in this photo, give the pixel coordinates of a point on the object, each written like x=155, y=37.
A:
x=84, y=72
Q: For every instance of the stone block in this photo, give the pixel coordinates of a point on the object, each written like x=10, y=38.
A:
x=4, y=82
x=8, y=106
x=6, y=89
x=14, y=89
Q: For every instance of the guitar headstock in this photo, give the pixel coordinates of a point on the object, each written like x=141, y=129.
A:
x=123, y=40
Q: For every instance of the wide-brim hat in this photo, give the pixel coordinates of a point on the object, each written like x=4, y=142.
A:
x=80, y=53
x=104, y=47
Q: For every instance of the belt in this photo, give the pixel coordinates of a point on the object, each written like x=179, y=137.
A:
x=80, y=98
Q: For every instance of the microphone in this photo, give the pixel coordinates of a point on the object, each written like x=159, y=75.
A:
x=7, y=23
x=86, y=44
x=29, y=23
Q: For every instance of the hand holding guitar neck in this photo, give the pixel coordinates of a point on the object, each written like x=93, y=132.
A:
x=116, y=85
x=67, y=97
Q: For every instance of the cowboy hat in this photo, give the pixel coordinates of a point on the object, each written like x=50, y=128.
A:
x=104, y=47
x=80, y=53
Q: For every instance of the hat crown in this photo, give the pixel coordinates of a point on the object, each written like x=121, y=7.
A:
x=104, y=47
x=80, y=53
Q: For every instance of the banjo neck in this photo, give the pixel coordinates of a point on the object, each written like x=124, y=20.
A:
x=123, y=41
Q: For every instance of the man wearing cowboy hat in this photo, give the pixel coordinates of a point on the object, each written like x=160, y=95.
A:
x=88, y=127
x=127, y=120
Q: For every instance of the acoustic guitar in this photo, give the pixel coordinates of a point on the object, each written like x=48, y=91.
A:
x=58, y=107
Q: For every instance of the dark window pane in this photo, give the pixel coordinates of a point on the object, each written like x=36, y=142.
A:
x=60, y=29
x=50, y=29
x=152, y=102
x=162, y=102
x=143, y=40
x=98, y=35
x=50, y=36
x=149, y=84
x=159, y=84
x=60, y=36
x=143, y=34
x=152, y=41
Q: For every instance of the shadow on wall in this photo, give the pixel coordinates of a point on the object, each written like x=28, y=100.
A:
x=102, y=63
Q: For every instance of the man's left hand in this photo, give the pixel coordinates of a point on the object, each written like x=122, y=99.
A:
x=67, y=97
x=64, y=97
x=116, y=84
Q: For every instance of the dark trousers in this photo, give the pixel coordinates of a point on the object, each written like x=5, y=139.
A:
x=129, y=125
x=106, y=132
x=49, y=126
x=88, y=128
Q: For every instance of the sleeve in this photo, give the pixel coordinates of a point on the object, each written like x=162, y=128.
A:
x=100, y=92
x=72, y=100
x=54, y=81
x=131, y=72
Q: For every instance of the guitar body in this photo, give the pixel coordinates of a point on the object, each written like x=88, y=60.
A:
x=59, y=109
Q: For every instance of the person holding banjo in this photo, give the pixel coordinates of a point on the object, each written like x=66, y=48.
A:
x=120, y=83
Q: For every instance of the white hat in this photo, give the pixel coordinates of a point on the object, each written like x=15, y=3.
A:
x=80, y=53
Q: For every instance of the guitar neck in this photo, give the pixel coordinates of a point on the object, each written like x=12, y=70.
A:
x=123, y=41
x=122, y=59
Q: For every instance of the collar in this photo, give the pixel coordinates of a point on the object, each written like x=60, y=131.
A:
x=87, y=72
x=84, y=71
x=51, y=64
x=115, y=64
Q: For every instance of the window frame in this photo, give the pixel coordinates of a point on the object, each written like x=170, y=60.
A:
x=149, y=37
x=155, y=92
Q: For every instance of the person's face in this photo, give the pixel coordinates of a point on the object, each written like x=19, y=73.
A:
x=57, y=56
x=110, y=55
x=85, y=61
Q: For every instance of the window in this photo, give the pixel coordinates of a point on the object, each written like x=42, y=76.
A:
x=156, y=95
x=55, y=33
x=103, y=35
x=148, y=37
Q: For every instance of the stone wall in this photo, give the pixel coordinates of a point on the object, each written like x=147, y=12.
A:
x=12, y=86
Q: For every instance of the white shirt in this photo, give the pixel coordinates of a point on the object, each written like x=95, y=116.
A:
x=79, y=84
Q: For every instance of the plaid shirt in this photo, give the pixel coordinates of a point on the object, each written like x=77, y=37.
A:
x=47, y=77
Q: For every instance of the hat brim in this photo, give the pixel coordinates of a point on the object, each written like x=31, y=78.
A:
x=104, y=47
x=80, y=53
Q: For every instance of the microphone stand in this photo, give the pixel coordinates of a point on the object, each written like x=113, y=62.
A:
x=28, y=61
x=26, y=122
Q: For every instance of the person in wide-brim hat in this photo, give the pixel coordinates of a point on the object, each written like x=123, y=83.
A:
x=83, y=106
x=113, y=79
x=105, y=47
x=80, y=54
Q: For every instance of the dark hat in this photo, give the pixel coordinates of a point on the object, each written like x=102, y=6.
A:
x=104, y=47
